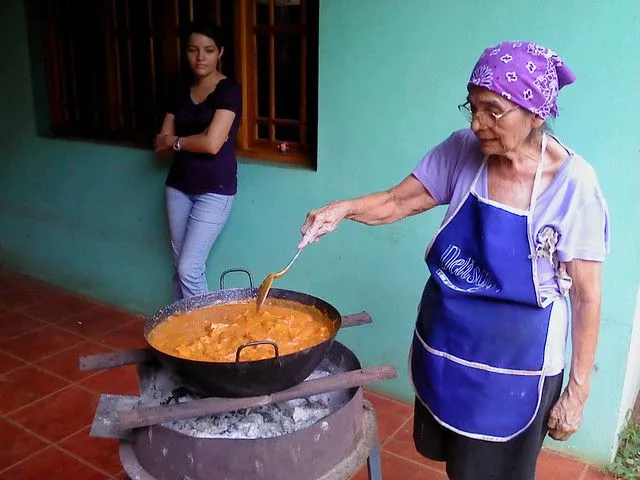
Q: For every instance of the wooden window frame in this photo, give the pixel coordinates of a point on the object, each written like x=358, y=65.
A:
x=305, y=153
x=115, y=130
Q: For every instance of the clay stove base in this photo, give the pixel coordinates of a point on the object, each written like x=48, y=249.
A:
x=367, y=449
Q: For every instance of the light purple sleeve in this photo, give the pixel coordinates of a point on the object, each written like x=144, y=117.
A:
x=585, y=229
x=439, y=170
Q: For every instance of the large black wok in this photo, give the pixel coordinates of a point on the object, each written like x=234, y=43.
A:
x=244, y=378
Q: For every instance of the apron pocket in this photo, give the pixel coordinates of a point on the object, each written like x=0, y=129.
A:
x=474, y=402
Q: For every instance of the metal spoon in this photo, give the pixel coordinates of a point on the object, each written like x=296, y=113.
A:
x=265, y=286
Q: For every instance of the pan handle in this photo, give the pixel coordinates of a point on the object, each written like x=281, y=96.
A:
x=258, y=342
x=231, y=270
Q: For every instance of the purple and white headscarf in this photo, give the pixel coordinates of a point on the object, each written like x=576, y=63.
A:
x=525, y=73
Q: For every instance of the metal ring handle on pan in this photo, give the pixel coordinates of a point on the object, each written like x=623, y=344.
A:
x=232, y=270
x=258, y=342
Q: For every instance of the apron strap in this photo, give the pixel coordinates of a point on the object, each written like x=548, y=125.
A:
x=536, y=180
x=472, y=187
x=532, y=206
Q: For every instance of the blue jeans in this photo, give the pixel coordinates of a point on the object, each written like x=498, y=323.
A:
x=195, y=221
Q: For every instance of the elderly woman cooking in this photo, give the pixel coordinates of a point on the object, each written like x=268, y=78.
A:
x=526, y=225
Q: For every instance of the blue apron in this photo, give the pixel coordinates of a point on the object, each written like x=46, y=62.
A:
x=477, y=357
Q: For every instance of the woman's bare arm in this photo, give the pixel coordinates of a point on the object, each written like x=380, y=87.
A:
x=209, y=141
x=585, y=295
x=212, y=139
x=380, y=208
x=167, y=130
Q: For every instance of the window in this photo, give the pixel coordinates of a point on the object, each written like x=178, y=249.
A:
x=280, y=46
x=109, y=75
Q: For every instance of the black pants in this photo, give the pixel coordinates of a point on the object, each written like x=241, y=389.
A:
x=470, y=459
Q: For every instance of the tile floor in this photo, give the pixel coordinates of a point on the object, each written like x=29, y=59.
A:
x=47, y=405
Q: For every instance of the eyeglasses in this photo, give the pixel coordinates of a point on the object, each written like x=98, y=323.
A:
x=484, y=117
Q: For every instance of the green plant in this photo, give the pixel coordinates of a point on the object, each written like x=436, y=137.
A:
x=626, y=465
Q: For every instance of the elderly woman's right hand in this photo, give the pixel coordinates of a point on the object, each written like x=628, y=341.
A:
x=323, y=220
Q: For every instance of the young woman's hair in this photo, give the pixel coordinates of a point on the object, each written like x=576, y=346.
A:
x=206, y=28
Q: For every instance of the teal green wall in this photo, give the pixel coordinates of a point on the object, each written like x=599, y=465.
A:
x=90, y=217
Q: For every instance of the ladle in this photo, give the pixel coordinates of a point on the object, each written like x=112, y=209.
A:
x=265, y=286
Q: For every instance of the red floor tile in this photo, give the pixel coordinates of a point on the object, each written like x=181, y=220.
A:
x=8, y=363
x=390, y=414
x=41, y=343
x=68, y=410
x=17, y=444
x=401, y=443
x=96, y=322
x=125, y=338
x=14, y=281
x=59, y=307
x=398, y=468
x=65, y=363
x=552, y=466
x=13, y=324
x=17, y=299
x=593, y=473
x=59, y=415
x=120, y=380
x=361, y=475
x=25, y=385
x=52, y=464
x=394, y=468
x=101, y=452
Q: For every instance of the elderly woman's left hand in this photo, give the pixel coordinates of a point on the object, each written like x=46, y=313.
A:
x=566, y=415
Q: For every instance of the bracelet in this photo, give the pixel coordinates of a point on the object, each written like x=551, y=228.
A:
x=176, y=144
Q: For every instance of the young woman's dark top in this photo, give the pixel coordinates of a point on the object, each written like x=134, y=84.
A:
x=198, y=173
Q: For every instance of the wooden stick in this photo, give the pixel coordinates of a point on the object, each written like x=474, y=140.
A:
x=115, y=359
x=210, y=406
x=356, y=319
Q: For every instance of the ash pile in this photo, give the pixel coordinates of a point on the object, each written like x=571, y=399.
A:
x=159, y=387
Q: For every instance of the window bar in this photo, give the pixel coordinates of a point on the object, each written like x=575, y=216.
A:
x=177, y=21
x=74, y=81
x=62, y=13
x=272, y=13
x=253, y=51
x=94, y=96
x=240, y=15
x=272, y=72
x=303, y=13
x=63, y=41
x=52, y=75
x=95, y=99
x=304, y=45
x=218, y=13
x=282, y=121
x=152, y=56
x=132, y=109
x=303, y=90
x=116, y=49
x=54, y=43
